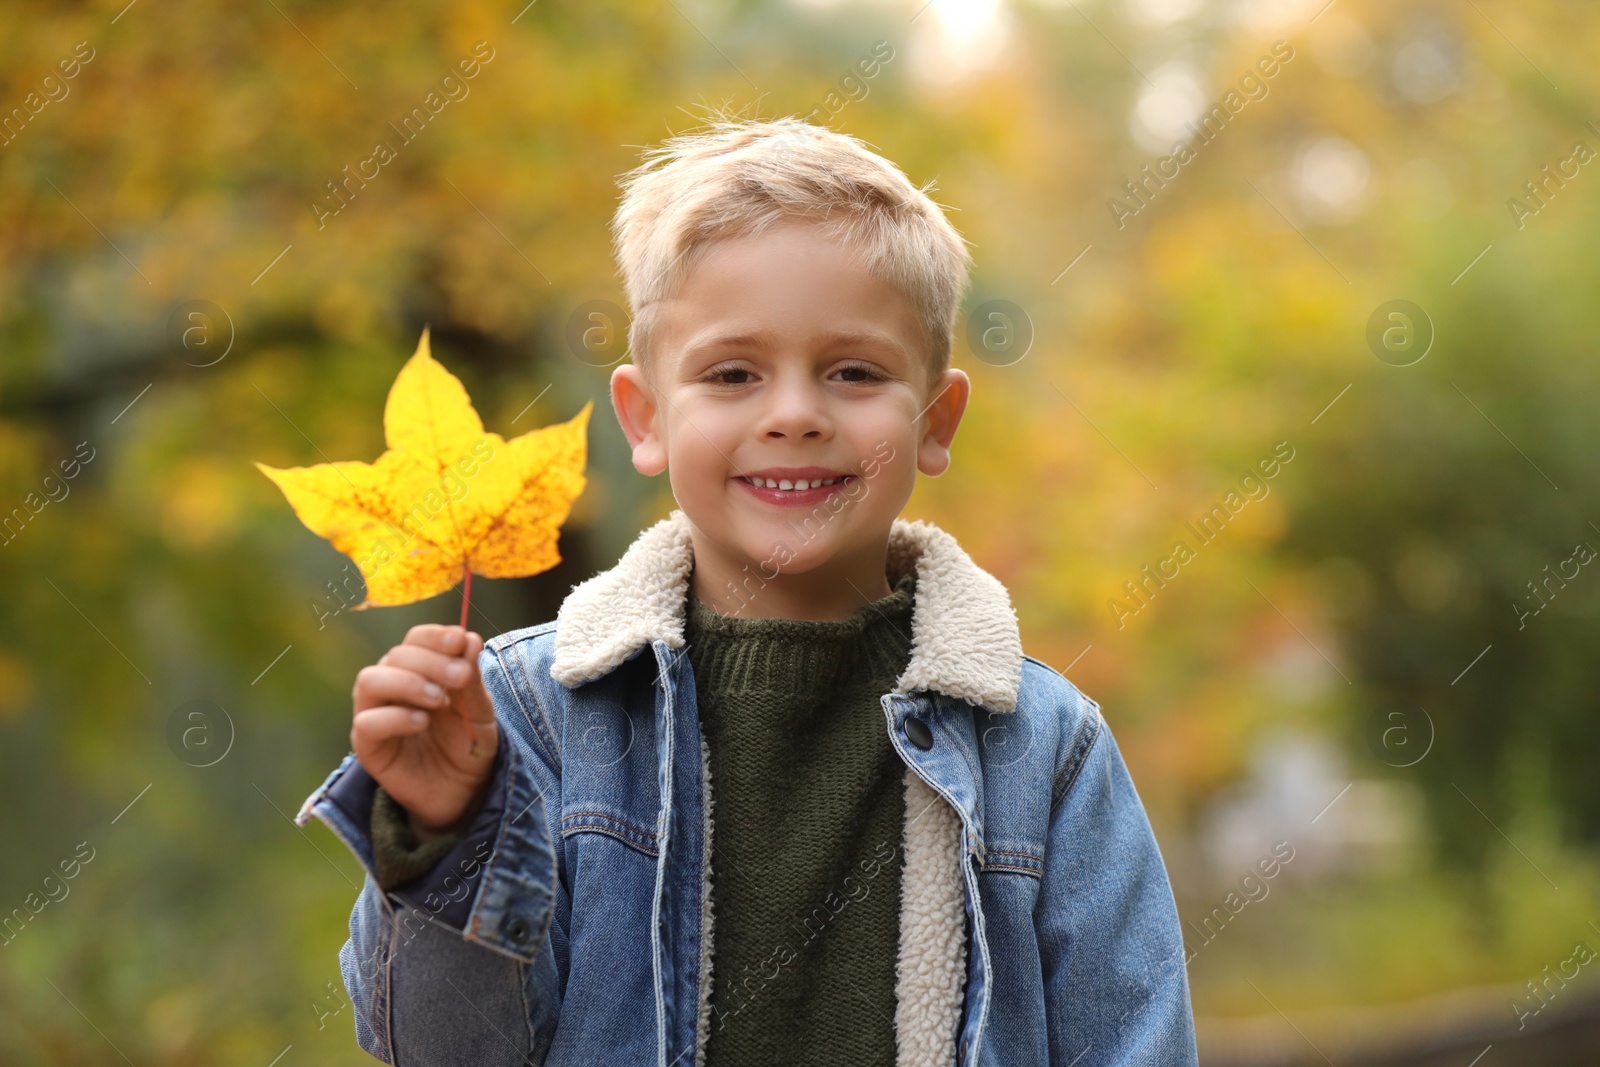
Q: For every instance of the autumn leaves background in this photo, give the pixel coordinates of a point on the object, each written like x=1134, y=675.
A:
x=1358, y=627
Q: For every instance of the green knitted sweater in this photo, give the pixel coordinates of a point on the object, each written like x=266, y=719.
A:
x=808, y=809
x=808, y=814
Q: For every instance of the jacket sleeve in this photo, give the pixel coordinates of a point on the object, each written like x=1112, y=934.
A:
x=457, y=964
x=1115, y=980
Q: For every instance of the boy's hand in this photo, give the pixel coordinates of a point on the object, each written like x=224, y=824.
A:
x=408, y=731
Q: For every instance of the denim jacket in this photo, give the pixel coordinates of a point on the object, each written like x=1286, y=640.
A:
x=572, y=924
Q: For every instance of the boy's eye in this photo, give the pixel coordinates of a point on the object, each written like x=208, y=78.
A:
x=720, y=374
x=868, y=374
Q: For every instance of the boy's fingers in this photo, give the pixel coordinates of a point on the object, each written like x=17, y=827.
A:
x=447, y=639
x=376, y=725
x=451, y=672
x=379, y=684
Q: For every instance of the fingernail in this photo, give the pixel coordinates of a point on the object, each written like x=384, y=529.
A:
x=433, y=692
x=457, y=672
x=418, y=718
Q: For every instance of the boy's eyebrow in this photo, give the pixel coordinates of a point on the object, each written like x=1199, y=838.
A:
x=833, y=340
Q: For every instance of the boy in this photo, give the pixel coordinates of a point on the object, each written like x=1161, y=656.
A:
x=926, y=849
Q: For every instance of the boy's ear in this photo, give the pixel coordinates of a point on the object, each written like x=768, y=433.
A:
x=950, y=394
x=635, y=405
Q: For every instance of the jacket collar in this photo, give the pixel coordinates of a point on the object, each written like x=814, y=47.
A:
x=965, y=641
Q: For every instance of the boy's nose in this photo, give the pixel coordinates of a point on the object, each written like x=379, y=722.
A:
x=796, y=408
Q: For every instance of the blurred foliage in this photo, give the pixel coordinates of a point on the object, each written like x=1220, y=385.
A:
x=190, y=159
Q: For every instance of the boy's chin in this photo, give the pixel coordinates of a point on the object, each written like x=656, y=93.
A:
x=802, y=552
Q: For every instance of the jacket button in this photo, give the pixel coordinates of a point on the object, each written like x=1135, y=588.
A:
x=517, y=930
x=918, y=732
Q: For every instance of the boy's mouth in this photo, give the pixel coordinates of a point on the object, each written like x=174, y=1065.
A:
x=793, y=491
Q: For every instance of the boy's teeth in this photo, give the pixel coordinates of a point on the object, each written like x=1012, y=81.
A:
x=785, y=483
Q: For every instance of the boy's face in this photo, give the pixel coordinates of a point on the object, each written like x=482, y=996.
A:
x=783, y=351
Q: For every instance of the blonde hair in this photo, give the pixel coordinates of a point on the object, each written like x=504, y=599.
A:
x=739, y=177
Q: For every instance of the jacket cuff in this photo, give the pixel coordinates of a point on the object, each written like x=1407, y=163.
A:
x=442, y=877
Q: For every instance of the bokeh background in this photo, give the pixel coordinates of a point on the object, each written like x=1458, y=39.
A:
x=1378, y=261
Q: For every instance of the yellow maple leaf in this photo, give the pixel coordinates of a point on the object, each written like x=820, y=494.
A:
x=446, y=500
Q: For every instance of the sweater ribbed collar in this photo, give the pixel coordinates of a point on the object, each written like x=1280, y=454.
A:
x=736, y=653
